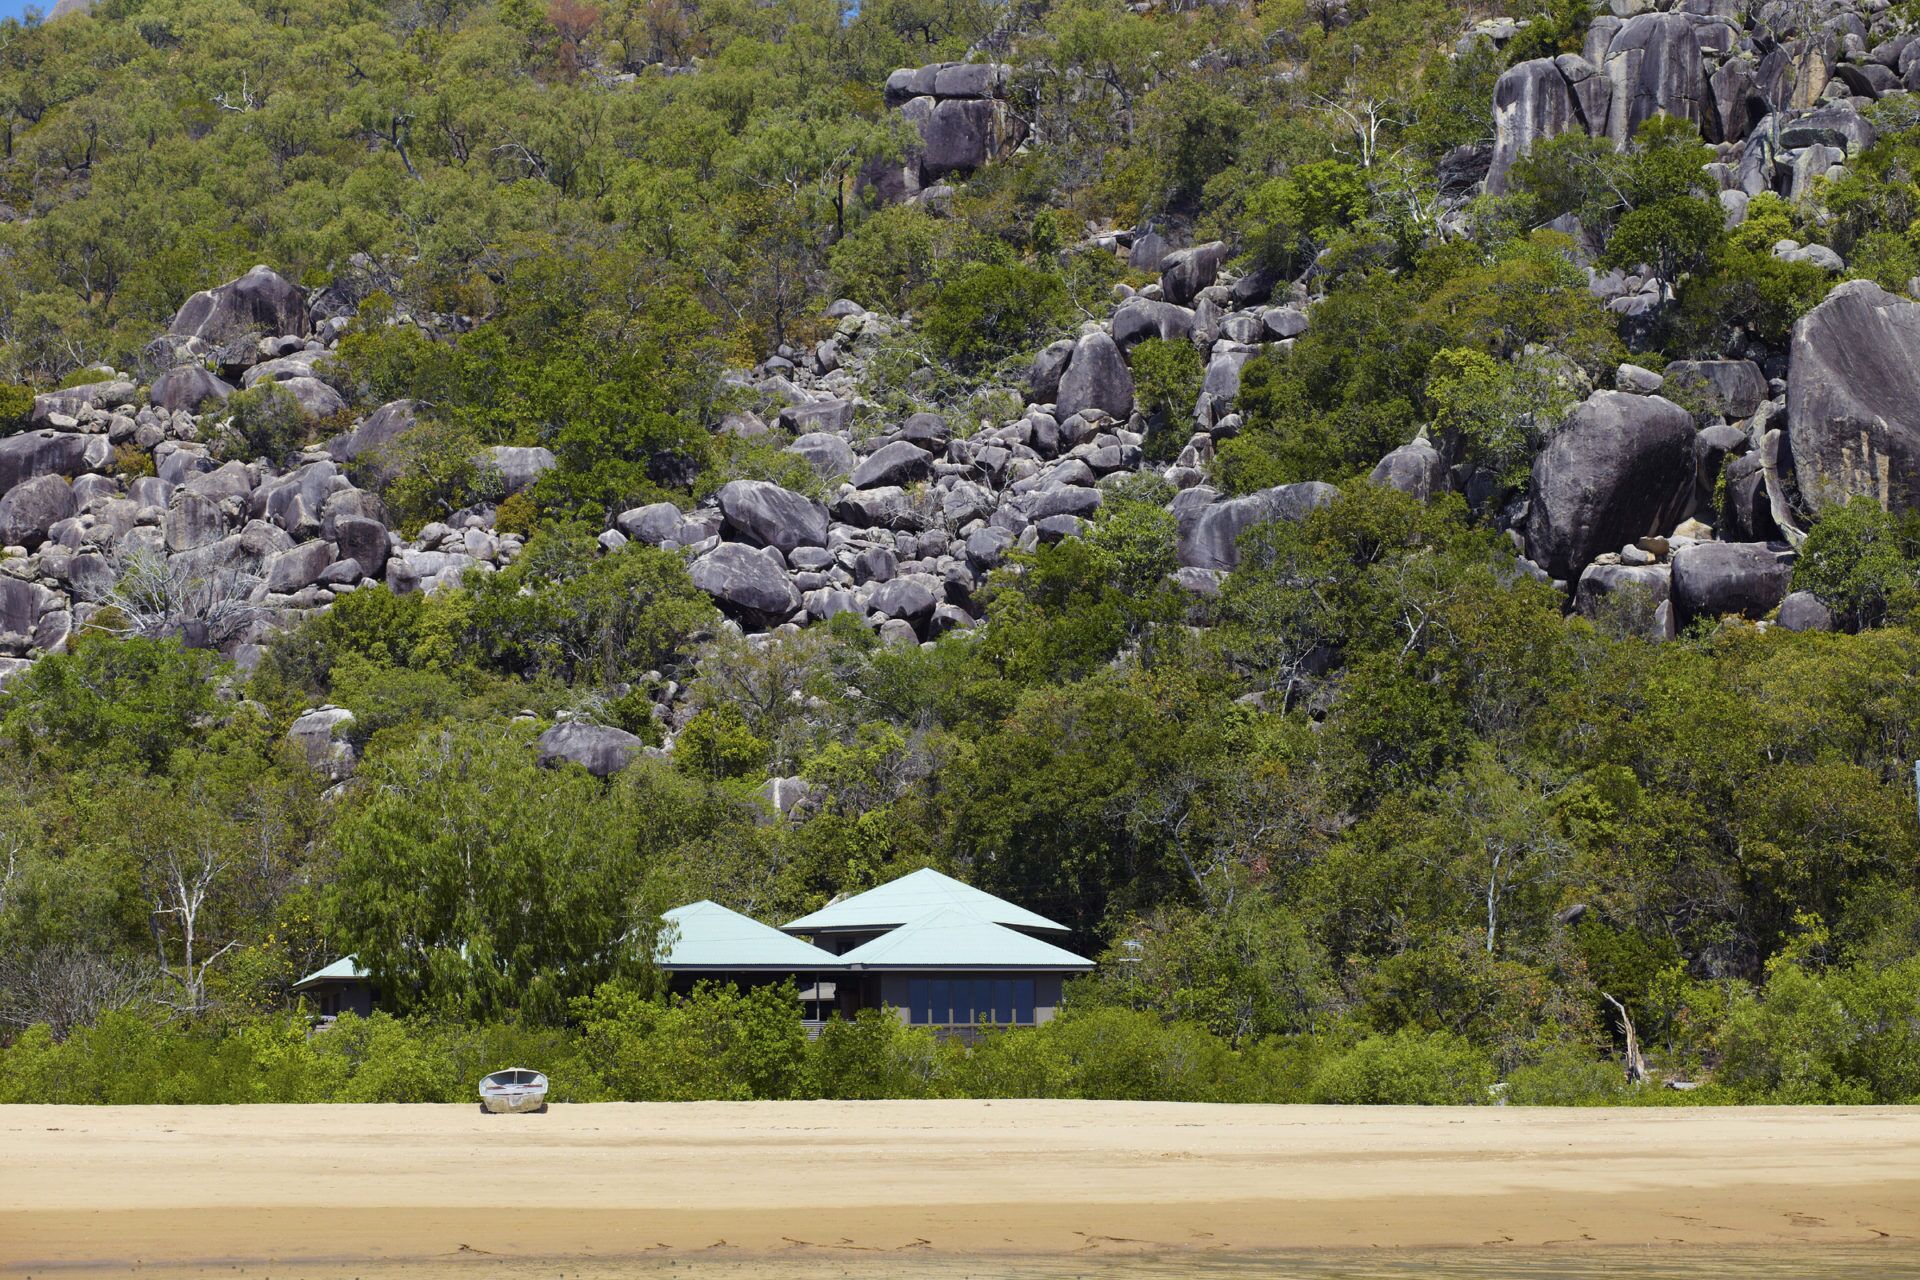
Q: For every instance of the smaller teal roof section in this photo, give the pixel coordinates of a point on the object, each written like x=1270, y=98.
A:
x=345, y=969
x=708, y=936
x=953, y=939
x=912, y=896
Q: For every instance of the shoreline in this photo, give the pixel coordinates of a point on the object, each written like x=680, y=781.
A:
x=835, y=1188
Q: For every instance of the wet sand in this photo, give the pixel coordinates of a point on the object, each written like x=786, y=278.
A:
x=936, y=1188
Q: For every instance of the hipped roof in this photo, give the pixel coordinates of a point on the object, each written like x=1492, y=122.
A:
x=953, y=939
x=914, y=896
x=709, y=936
x=345, y=969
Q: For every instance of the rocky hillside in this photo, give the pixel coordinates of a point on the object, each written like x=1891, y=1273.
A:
x=1394, y=524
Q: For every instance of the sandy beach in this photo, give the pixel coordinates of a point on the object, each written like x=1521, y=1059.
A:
x=830, y=1188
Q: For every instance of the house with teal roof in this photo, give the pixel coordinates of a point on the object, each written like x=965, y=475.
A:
x=936, y=952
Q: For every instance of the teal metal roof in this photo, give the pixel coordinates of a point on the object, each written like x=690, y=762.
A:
x=954, y=939
x=912, y=896
x=345, y=969
x=711, y=937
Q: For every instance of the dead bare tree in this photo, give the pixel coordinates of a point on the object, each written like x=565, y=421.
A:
x=186, y=850
x=1637, y=1072
x=156, y=595
x=62, y=987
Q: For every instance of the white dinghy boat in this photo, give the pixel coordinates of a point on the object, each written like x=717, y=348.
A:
x=512, y=1090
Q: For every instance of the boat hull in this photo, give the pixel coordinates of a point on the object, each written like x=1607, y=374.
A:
x=514, y=1102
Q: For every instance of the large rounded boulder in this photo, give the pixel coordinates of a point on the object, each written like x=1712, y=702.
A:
x=1209, y=534
x=766, y=515
x=188, y=387
x=600, y=749
x=751, y=583
x=1715, y=578
x=1620, y=469
x=1853, y=399
x=1531, y=102
x=259, y=302
x=1415, y=469
x=1096, y=377
x=31, y=508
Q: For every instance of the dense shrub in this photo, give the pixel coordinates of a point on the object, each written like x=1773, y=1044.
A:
x=990, y=311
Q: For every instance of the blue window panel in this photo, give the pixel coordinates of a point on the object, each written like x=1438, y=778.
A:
x=1003, y=1000
x=920, y=1000
x=942, y=1007
x=983, y=1006
x=962, y=1002
x=1023, y=1001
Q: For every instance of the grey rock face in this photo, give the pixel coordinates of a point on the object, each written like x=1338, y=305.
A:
x=1620, y=469
x=929, y=431
x=600, y=749
x=1732, y=388
x=298, y=567
x=316, y=398
x=1043, y=379
x=970, y=80
x=377, y=431
x=829, y=454
x=1802, y=611
x=1531, y=102
x=363, y=541
x=519, y=468
x=1654, y=66
x=33, y=507
x=259, y=302
x=766, y=515
x=749, y=582
x=1209, y=535
x=193, y=521
x=898, y=463
x=910, y=598
x=321, y=736
x=188, y=388
x=1096, y=377
x=49, y=453
x=653, y=524
x=961, y=135
x=1853, y=398
x=1185, y=273
x=1141, y=318
x=819, y=415
x=1628, y=584
x=1415, y=468
x=1715, y=578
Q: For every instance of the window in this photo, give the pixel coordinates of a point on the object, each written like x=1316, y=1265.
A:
x=965, y=1002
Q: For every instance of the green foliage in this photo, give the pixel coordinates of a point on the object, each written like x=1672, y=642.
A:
x=1342, y=820
x=718, y=744
x=125, y=703
x=266, y=422
x=1503, y=411
x=1290, y=218
x=437, y=468
x=1675, y=236
x=1863, y=563
x=16, y=402
x=1433, y=1069
x=1167, y=375
x=885, y=261
x=989, y=312
x=473, y=882
x=566, y=609
x=1566, y=1075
